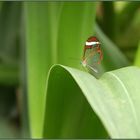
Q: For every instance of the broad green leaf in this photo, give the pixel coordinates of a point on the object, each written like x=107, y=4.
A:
x=40, y=38
x=113, y=58
x=76, y=24
x=54, y=35
x=74, y=97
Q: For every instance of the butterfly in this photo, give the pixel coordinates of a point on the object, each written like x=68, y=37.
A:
x=92, y=55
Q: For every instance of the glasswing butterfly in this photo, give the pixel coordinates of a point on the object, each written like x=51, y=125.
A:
x=92, y=55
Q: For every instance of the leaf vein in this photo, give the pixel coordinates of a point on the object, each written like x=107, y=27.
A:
x=129, y=98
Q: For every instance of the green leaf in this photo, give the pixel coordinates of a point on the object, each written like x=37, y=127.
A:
x=54, y=35
x=40, y=49
x=10, y=18
x=113, y=58
x=74, y=97
x=75, y=26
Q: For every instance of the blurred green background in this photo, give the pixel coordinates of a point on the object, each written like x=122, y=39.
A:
x=23, y=24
